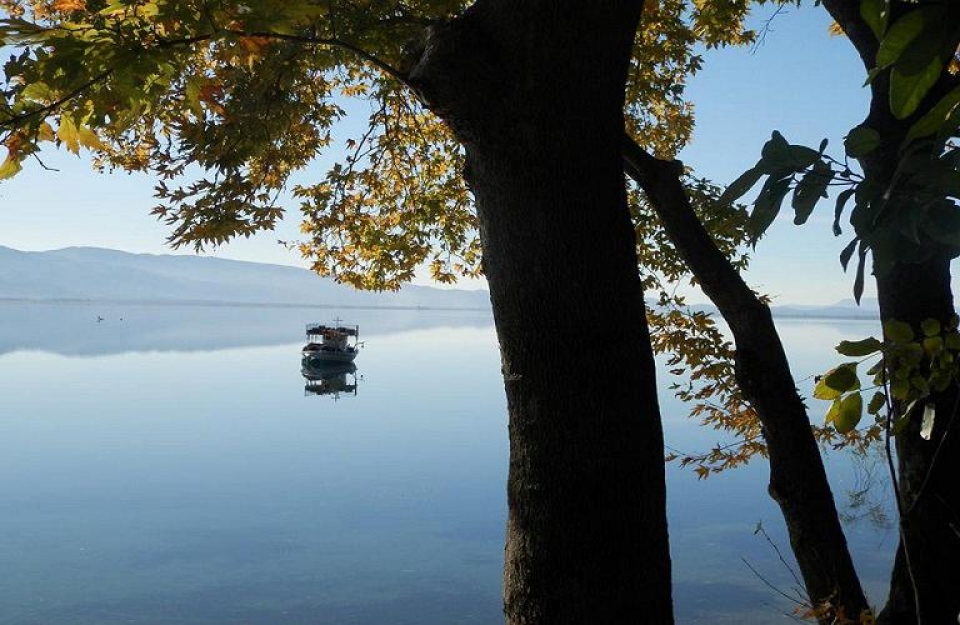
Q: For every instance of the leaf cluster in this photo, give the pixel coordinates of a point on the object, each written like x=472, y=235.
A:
x=909, y=365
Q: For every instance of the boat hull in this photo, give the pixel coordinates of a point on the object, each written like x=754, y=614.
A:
x=320, y=357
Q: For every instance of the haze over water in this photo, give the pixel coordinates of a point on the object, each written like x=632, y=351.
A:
x=167, y=468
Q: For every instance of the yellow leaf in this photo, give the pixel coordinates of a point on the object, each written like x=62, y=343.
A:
x=9, y=168
x=89, y=139
x=67, y=133
x=65, y=6
x=45, y=132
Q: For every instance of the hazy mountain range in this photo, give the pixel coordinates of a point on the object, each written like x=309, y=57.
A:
x=87, y=273
x=95, y=274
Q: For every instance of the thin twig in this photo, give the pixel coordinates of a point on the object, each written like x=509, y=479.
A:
x=772, y=587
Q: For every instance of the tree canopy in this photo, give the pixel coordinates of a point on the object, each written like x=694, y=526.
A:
x=223, y=101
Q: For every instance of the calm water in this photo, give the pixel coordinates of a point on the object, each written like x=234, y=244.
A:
x=168, y=468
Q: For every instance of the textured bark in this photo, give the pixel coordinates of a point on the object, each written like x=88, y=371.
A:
x=535, y=92
x=798, y=481
x=911, y=293
x=929, y=487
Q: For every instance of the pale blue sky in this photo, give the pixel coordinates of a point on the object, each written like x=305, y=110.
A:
x=800, y=81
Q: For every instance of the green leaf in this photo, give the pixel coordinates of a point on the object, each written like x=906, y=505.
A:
x=907, y=90
x=767, y=206
x=897, y=331
x=848, y=251
x=952, y=341
x=741, y=185
x=875, y=13
x=837, y=381
x=932, y=345
x=861, y=141
x=900, y=425
x=838, y=210
x=936, y=117
x=858, y=280
x=38, y=92
x=863, y=347
x=901, y=34
x=877, y=402
x=930, y=327
x=776, y=151
x=779, y=157
x=849, y=414
x=811, y=188
x=833, y=411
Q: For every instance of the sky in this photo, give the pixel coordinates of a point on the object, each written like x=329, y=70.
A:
x=800, y=81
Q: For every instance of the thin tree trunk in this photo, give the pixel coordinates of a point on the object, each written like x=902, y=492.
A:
x=535, y=92
x=798, y=481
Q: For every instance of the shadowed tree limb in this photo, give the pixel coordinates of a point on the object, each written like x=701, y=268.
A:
x=798, y=481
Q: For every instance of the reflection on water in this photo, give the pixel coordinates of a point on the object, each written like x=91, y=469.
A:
x=333, y=378
x=176, y=474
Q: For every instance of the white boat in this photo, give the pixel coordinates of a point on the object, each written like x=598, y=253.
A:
x=331, y=343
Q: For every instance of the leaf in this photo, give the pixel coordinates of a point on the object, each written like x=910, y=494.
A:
x=926, y=426
x=838, y=211
x=877, y=402
x=848, y=251
x=811, y=188
x=45, y=132
x=901, y=34
x=930, y=327
x=776, y=150
x=741, y=185
x=38, y=92
x=11, y=167
x=849, y=414
x=935, y=118
x=861, y=141
x=897, y=331
x=952, y=341
x=875, y=13
x=833, y=411
x=863, y=347
x=767, y=206
x=921, y=63
x=67, y=133
x=858, y=280
x=89, y=139
x=837, y=381
x=907, y=90
x=900, y=425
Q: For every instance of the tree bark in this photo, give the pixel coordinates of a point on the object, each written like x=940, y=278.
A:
x=928, y=557
x=798, y=481
x=535, y=92
x=930, y=498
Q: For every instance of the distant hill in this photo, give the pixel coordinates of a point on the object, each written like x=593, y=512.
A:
x=87, y=273
x=96, y=274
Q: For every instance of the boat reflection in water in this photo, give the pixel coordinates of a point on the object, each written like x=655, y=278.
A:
x=330, y=378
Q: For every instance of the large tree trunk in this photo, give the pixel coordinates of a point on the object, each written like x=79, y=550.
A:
x=930, y=492
x=535, y=92
x=798, y=481
x=928, y=558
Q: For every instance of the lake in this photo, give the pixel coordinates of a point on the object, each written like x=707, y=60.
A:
x=165, y=466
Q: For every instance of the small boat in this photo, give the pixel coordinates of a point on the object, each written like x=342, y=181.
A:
x=331, y=343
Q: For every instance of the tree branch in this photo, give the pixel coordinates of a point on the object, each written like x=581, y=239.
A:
x=798, y=481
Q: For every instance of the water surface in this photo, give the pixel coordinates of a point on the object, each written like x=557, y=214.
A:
x=168, y=468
